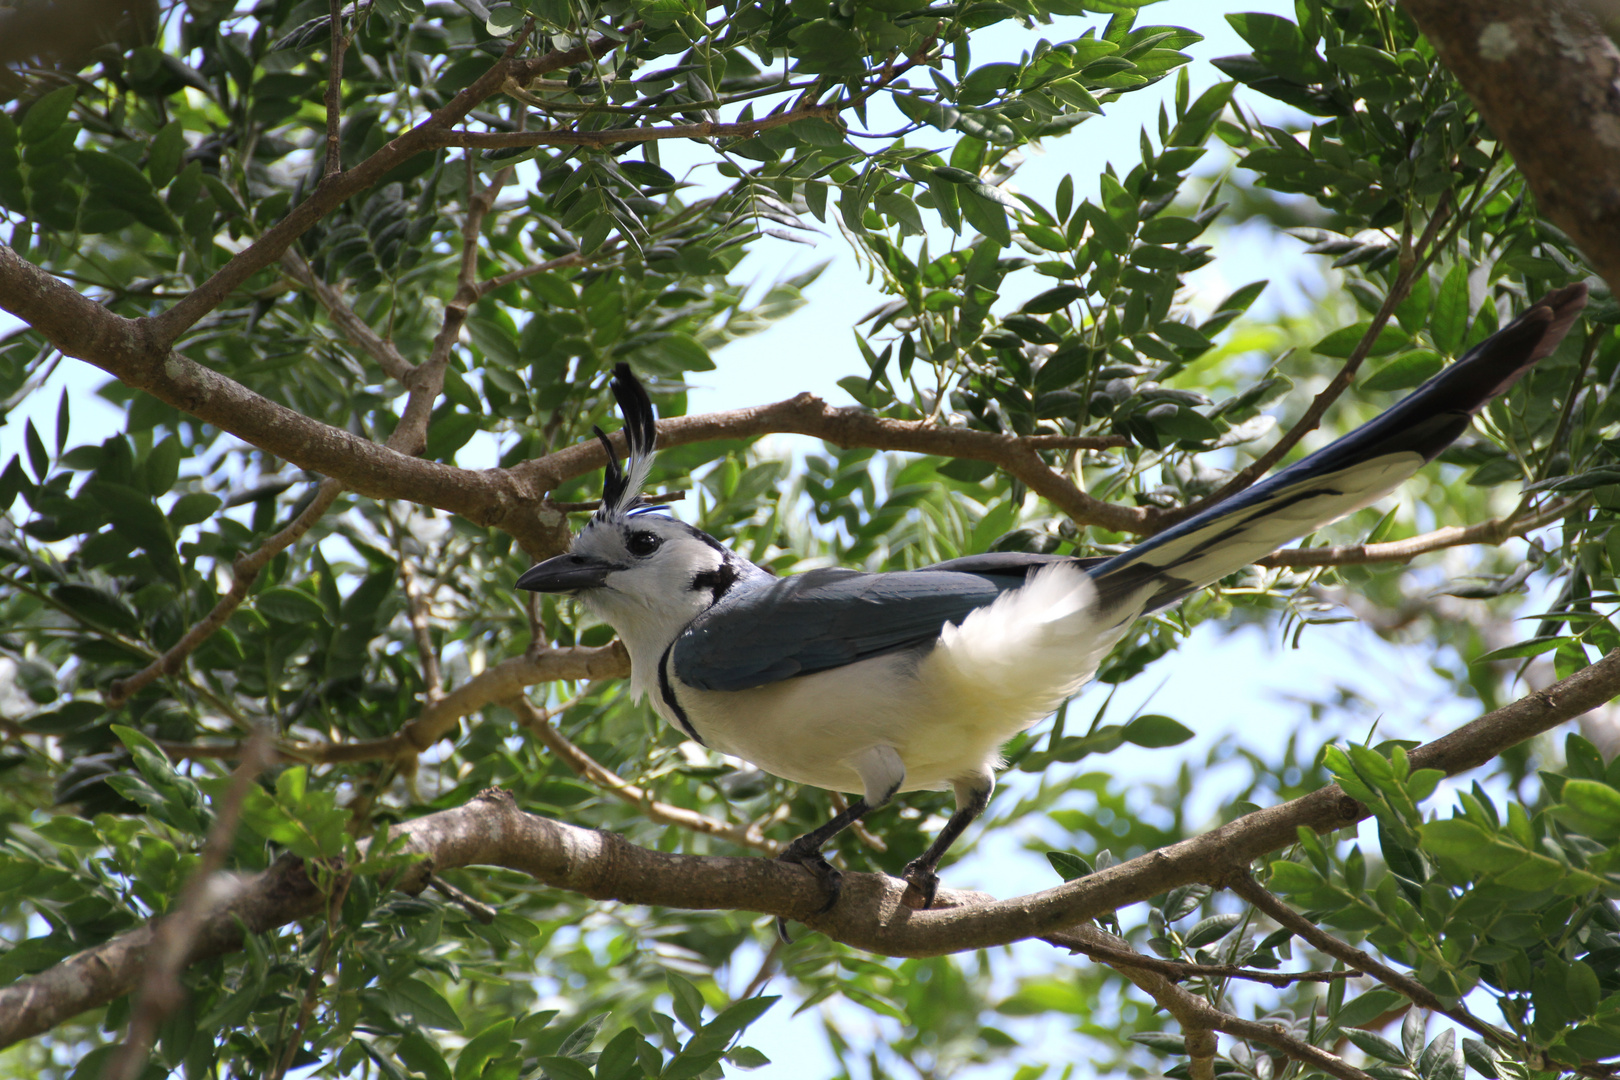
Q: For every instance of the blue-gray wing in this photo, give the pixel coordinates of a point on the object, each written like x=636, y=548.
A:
x=824, y=619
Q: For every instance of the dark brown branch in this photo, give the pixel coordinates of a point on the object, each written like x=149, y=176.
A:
x=870, y=915
x=343, y=316
x=439, y=718
x=1180, y=971
x=510, y=499
x=1527, y=63
x=809, y=415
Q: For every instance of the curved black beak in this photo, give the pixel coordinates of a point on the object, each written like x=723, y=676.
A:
x=566, y=573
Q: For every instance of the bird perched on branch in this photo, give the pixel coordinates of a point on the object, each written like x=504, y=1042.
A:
x=881, y=683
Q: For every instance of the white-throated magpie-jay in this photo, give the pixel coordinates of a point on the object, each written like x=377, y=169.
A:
x=880, y=683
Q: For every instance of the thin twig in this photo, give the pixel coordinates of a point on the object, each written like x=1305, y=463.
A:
x=334, y=94
x=1242, y=883
x=1347, y=372
x=306, y=1007
x=1494, y=531
x=588, y=768
x=1197, y=1017
x=1180, y=971
x=416, y=609
x=356, y=329
x=160, y=990
x=479, y=910
x=245, y=570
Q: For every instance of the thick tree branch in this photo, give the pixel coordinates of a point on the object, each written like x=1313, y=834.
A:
x=510, y=499
x=1525, y=62
x=870, y=914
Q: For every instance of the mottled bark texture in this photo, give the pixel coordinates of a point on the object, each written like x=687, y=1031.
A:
x=1547, y=80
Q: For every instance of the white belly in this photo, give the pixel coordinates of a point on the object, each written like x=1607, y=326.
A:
x=946, y=712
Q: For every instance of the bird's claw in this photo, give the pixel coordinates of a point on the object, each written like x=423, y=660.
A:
x=832, y=882
x=921, y=885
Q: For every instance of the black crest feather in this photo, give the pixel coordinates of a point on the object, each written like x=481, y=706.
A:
x=621, y=487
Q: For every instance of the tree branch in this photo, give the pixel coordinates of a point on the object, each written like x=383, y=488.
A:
x=706, y=129
x=175, y=935
x=1243, y=884
x=356, y=329
x=510, y=499
x=1494, y=531
x=245, y=571
x=588, y=768
x=1525, y=62
x=870, y=915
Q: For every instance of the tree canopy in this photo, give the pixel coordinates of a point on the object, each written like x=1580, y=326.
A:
x=359, y=273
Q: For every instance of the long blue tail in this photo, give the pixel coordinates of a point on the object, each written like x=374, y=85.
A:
x=1343, y=476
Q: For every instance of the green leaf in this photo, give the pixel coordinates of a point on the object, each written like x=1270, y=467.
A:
x=1593, y=800
x=70, y=832
x=1529, y=647
x=493, y=1042
x=1210, y=930
x=718, y=1033
x=1068, y=865
x=423, y=1056
x=96, y=606
x=1377, y=1046
x=1341, y=343
x=1054, y=299
x=562, y=1068
x=424, y=1004
x=1367, y=1008
x=1405, y=371
x=1448, y=325
x=688, y=1002
x=1154, y=731
x=47, y=114
x=164, y=155
x=290, y=606
x=1290, y=878
x=194, y=509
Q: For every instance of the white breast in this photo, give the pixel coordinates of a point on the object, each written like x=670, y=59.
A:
x=946, y=711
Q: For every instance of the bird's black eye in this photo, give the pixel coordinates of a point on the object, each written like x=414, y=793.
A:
x=642, y=544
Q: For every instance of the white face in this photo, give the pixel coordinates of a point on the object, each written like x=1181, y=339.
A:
x=665, y=573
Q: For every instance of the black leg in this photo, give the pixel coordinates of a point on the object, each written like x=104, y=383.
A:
x=920, y=874
x=806, y=852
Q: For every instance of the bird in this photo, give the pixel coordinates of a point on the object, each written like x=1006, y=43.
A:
x=875, y=684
